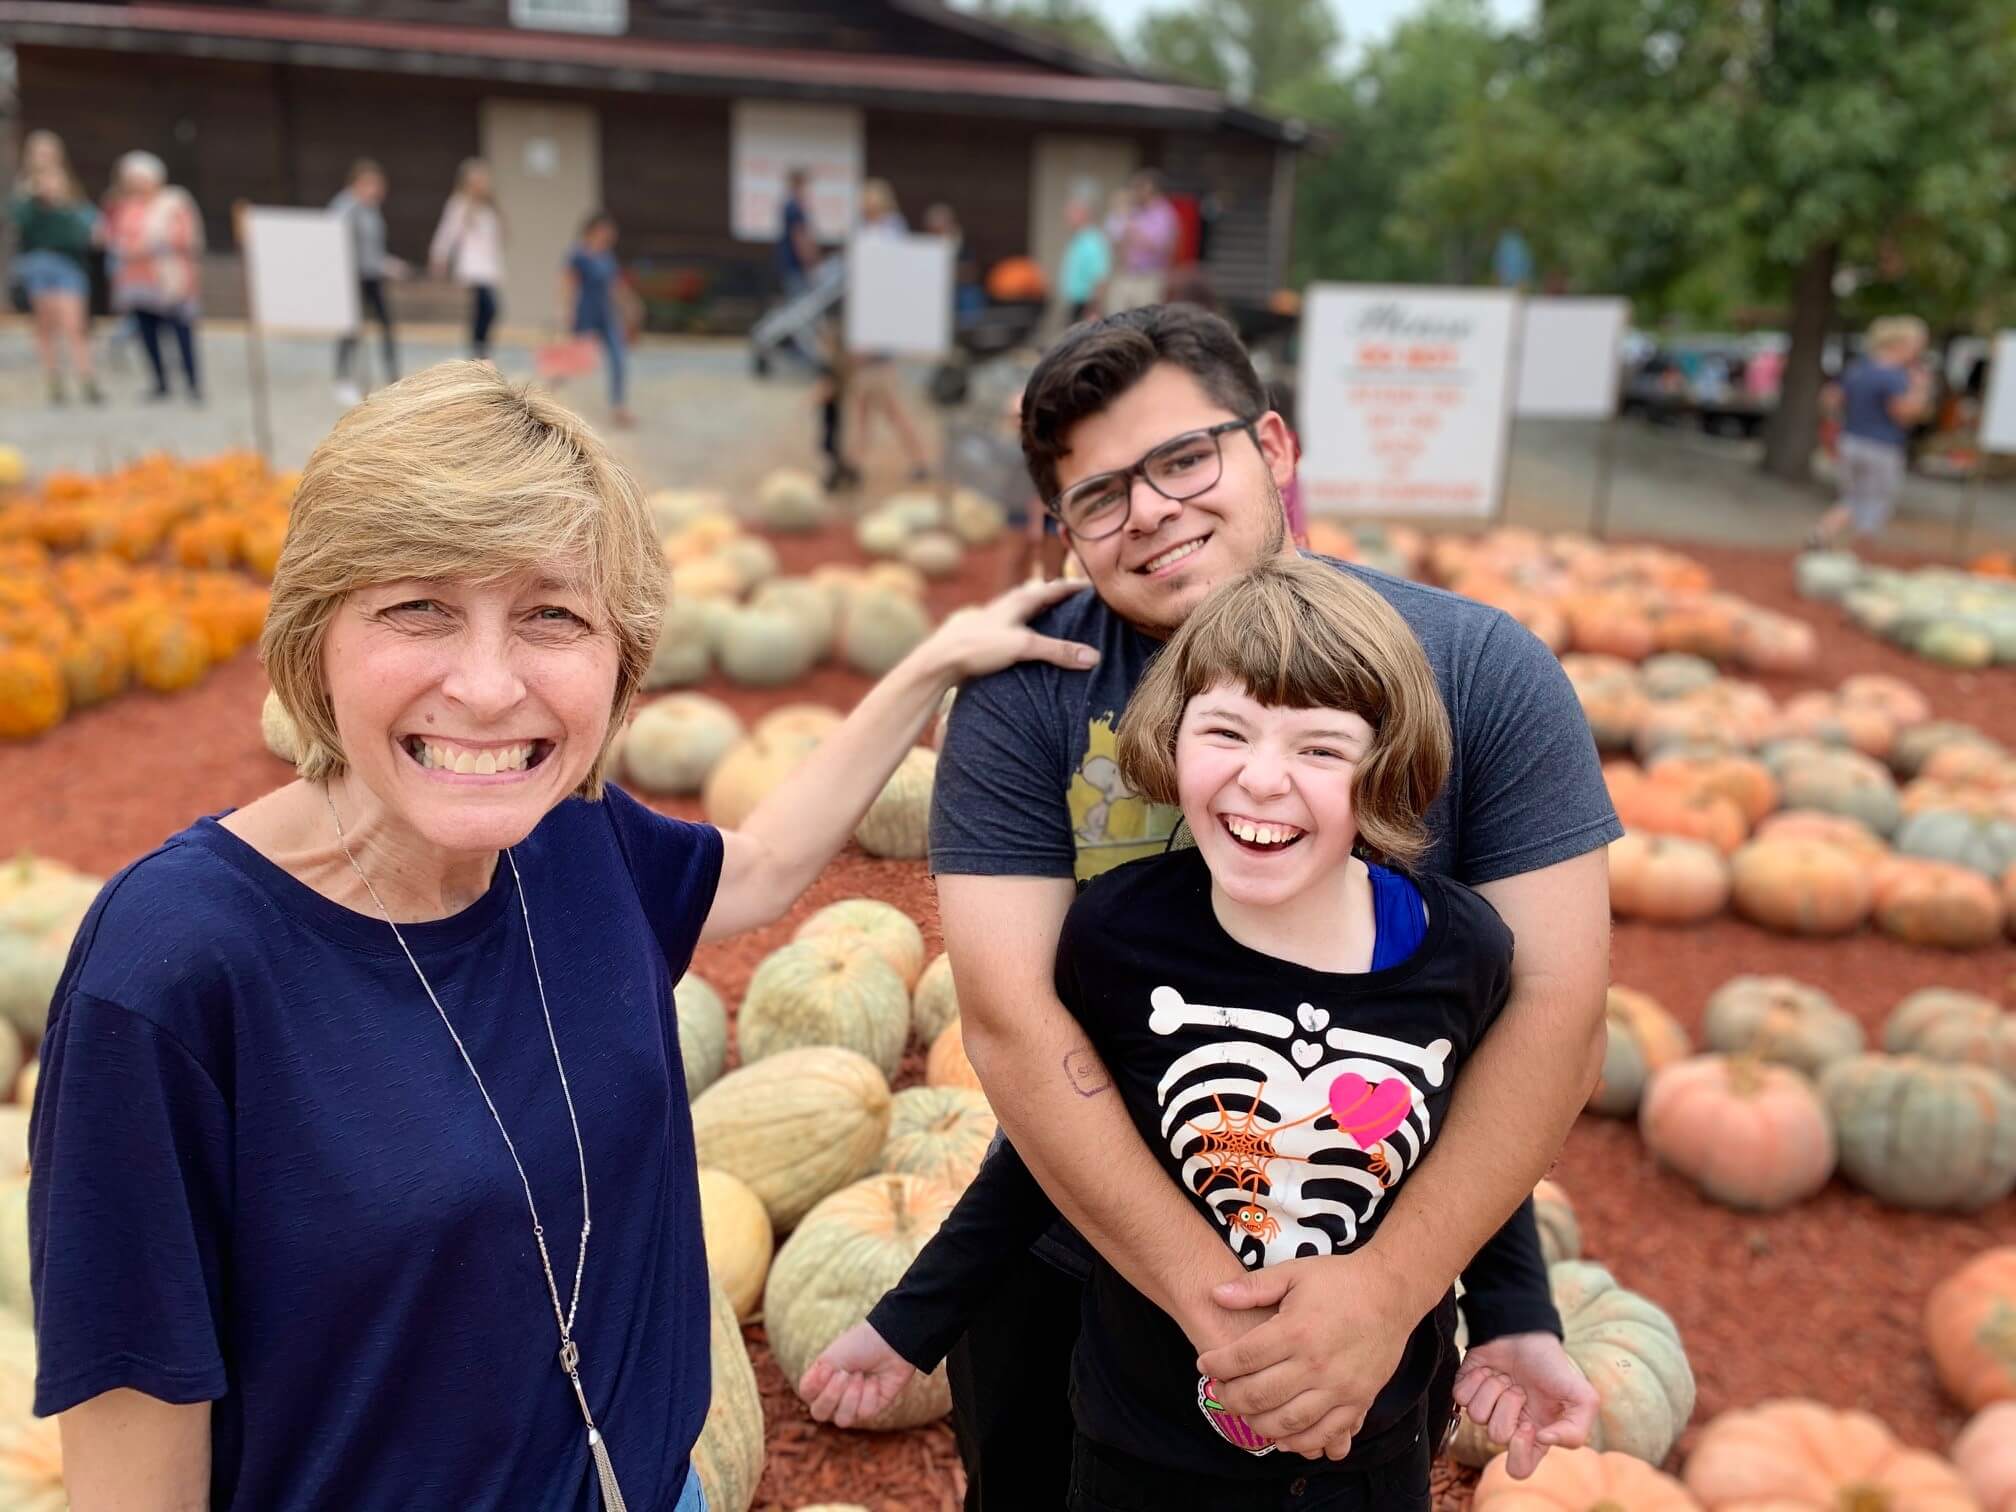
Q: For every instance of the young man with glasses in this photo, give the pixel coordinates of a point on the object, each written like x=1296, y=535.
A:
x=1149, y=434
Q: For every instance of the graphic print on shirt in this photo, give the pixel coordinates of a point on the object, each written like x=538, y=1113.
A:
x=1292, y=1137
x=1110, y=825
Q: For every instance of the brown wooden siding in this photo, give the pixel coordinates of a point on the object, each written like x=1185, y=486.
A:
x=1242, y=262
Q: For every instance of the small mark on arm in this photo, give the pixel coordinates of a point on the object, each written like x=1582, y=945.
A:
x=1086, y=1073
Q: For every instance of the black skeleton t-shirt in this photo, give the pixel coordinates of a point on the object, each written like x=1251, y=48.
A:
x=1289, y=1104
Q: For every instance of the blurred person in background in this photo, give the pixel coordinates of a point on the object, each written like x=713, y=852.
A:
x=875, y=384
x=154, y=237
x=1144, y=248
x=469, y=247
x=969, y=297
x=41, y=148
x=54, y=228
x=593, y=291
x=1087, y=263
x=1884, y=392
x=361, y=205
x=797, y=249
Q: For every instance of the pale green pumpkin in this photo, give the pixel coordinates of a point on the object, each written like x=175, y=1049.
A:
x=790, y=499
x=825, y=991
x=729, y=1456
x=1836, y=781
x=1916, y=745
x=897, y=825
x=703, y=1032
x=1984, y=844
x=674, y=742
x=794, y=1128
x=1921, y=1134
x=765, y=648
x=849, y=1250
x=1779, y=1019
x=681, y=656
x=1960, y=1028
x=941, y=1133
x=806, y=602
x=879, y=628
x=935, y=1003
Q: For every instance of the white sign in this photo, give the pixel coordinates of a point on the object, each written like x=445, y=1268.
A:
x=301, y=271
x=609, y=18
x=899, y=294
x=1404, y=399
x=1998, y=405
x=1569, y=358
x=768, y=141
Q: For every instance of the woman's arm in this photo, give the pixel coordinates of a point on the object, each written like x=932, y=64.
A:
x=125, y=1451
x=787, y=841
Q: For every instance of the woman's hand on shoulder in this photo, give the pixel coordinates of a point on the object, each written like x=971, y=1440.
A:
x=976, y=641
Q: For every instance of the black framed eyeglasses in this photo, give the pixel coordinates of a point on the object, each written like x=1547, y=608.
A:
x=1180, y=468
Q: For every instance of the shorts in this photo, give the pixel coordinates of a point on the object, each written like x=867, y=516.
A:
x=1872, y=472
x=47, y=272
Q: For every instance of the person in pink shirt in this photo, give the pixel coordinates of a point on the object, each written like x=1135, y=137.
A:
x=1145, y=248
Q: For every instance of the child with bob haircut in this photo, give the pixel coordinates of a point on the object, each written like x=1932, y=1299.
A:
x=1283, y=1007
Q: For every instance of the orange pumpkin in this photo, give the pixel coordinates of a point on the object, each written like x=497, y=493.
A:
x=1838, y=830
x=32, y=694
x=1581, y=1480
x=1801, y=887
x=1792, y=1456
x=1768, y=642
x=1666, y=879
x=1750, y=1134
x=1612, y=624
x=1985, y=1456
x=1744, y=782
x=1706, y=627
x=1970, y=1329
x=946, y=1064
x=169, y=653
x=1015, y=279
x=1826, y=718
x=1615, y=708
x=1970, y=766
x=1937, y=903
x=96, y=662
x=2009, y=898
x=1905, y=705
x=1672, y=808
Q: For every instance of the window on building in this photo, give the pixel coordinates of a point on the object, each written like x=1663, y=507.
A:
x=604, y=17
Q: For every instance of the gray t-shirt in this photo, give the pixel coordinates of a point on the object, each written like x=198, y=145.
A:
x=1027, y=785
x=367, y=227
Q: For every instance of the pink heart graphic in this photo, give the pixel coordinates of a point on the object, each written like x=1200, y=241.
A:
x=1368, y=1113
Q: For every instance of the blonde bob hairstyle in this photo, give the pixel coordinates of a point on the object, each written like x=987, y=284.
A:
x=1299, y=634
x=456, y=474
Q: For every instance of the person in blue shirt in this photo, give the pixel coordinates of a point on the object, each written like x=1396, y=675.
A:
x=1881, y=396
x=333, y=1083
x=594, y=292
x=1088, y=260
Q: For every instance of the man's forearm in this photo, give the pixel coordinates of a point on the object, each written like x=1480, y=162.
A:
x=1514, y=1103
x=1058, y=1104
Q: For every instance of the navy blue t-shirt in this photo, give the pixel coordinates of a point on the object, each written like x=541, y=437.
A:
x=263, y=1177
x=595, y=275
x=788, y=260
x=1866, y=392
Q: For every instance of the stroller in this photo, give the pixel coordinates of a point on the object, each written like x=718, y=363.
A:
x=794, y=324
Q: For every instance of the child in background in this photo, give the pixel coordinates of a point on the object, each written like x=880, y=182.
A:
x=830, y=394
x=1283, y=1009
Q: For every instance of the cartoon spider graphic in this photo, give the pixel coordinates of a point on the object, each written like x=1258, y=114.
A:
x=1240, y=1148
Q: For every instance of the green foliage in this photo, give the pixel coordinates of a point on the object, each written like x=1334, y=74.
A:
x=1075, y=23
x=1253, y=49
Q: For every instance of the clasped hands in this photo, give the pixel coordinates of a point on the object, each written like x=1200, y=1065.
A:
x=1335, y=1329
x=1332, y=1332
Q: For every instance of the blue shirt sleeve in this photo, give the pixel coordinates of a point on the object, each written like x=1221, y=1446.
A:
x=998, y=806
x=129, y=1206
x=677, y=869
x=1533, y=792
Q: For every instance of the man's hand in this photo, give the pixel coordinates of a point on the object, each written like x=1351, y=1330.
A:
x=1525, y=1392
x=1307, y=1378
x=856, y=1377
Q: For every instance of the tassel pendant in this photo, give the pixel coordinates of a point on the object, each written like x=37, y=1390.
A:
x=598, y=1448
x=612, y=1494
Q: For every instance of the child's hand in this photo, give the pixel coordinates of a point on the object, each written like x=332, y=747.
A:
x=1525, y=1392
x=856, y=1377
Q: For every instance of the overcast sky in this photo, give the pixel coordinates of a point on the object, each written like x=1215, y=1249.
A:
x=1363, y=20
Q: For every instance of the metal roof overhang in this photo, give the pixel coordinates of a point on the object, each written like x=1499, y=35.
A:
x=628, y=64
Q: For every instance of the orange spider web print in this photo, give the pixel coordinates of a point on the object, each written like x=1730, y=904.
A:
x=1239, y=1148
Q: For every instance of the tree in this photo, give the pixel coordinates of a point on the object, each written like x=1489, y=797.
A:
x=1252, y=49
x=1802, y=136
x=1075, y=23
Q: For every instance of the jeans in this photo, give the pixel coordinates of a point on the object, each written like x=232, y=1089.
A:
x=150, y=323
x=482, y=315
x=371, y=291
x=611, y=333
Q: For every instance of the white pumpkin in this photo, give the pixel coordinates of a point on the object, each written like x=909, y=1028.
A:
x=898, y=823
x=805, y=601
x=934, y=553
x=673, y=509
x=881, y=534
x=14, y=1291
x=674, y=742
x=752, y=559
x=976, y=519
x=879, y=629
x=703, y=1032
x=681, y=656
x=765, y=648
x=276, y=728
x=729, y=1456
x=795, y=1128
x=935, y=1002
x=790, y=499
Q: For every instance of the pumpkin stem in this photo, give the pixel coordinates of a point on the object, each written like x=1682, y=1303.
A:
x=1746, y=1073
x=1863, y=1497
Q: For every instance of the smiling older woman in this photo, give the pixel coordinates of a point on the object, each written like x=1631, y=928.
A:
x=334, y=1081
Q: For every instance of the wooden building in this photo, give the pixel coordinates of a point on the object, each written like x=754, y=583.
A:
x=679, y=116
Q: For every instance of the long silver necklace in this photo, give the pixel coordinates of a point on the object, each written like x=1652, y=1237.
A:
x=570, y=1352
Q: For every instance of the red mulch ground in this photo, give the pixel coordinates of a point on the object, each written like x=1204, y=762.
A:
x=1822, y=1301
